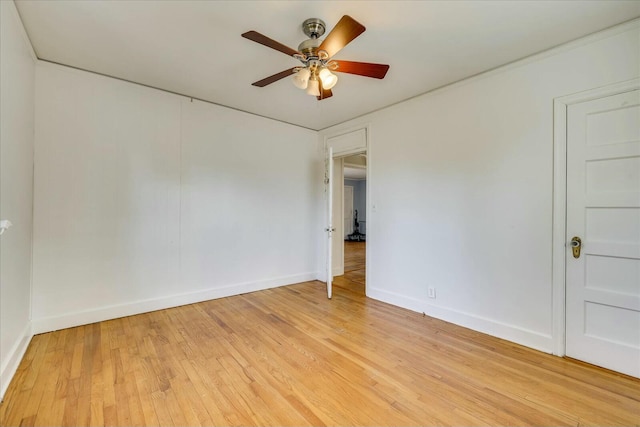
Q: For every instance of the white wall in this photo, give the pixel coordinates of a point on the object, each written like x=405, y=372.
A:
x=146, y=200
x=461, y=180
x=17, y=67
x=250, y=205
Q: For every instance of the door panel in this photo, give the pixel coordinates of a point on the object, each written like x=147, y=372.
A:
x=603, y=209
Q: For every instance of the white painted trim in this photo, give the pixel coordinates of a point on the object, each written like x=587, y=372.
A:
x=48, y=324
x=526, y=337
x=9, y=368
x=559, y=213
x=367, y=146
x=23, y=31
x=559, y=231
x=366, y=151
x=344, y=131
x=370, y=214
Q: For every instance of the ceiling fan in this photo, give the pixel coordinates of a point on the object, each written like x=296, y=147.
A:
x=315, y=75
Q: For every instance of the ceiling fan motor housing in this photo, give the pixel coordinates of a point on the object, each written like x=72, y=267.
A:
x=309, y=48
x=313, y=27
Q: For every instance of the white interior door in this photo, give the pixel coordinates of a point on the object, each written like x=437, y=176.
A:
x=348, y=210
x=603, y=210
x=329, y=229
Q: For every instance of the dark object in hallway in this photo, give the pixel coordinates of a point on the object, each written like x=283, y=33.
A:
x=356, y=236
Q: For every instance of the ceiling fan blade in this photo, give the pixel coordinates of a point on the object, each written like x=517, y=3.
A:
x=345, y=30
x=367, y=69
x=274, y=78
x=266, y=41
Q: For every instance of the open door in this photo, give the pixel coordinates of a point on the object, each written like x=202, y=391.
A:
x=330, y=229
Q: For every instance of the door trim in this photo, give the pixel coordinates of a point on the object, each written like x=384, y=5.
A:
x=369, y=206
x=559, y=220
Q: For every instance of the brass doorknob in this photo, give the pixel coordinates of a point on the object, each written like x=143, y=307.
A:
x=576, y=244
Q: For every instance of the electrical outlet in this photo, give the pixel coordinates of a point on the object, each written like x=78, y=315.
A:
x=432, y=292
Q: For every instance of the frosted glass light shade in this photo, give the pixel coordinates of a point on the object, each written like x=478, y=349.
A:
x=329, y=79
x=301, y=78
x=313, y=88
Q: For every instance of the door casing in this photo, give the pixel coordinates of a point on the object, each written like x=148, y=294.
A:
x=347, y=150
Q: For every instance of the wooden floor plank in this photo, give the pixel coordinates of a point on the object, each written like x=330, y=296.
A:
x=290, y=356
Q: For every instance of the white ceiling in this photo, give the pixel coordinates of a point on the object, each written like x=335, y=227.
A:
x=194, y=48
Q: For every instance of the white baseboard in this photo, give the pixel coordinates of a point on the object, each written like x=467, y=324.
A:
x=54, y=323
x=10, y=366
x=492, y=327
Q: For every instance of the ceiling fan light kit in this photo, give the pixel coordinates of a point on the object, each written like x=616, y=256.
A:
x=301, y=78
x=329, y=79
x=315, y=75
x=313, y=88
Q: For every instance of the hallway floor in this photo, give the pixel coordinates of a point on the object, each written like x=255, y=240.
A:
x=354, y=267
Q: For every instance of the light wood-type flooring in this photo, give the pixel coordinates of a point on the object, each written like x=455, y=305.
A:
x=354, y=267
x=289, y=356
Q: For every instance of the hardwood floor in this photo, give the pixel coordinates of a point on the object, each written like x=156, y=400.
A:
x=289, y=356
x=354, y=267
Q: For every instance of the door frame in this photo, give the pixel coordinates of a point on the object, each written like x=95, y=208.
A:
x=368, y=205
x=559, y=229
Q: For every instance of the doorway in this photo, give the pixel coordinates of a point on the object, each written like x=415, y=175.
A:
x=351, y=144
x=354, y=216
